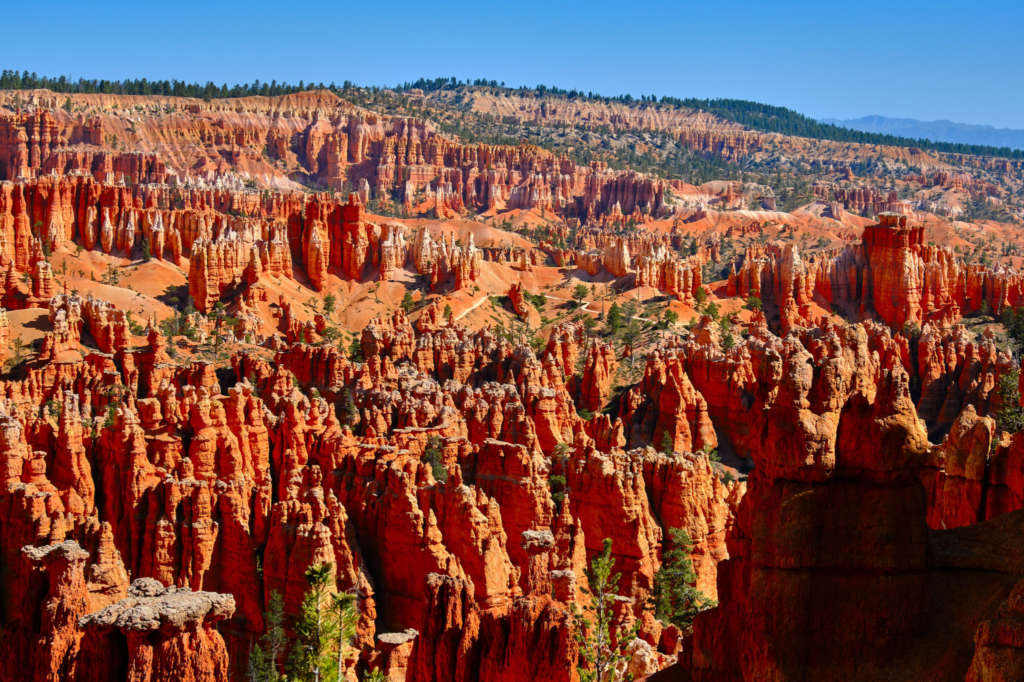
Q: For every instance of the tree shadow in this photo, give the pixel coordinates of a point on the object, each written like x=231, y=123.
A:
x=40, y=323
x=175, y=296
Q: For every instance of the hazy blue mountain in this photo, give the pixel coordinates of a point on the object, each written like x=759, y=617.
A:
x=939, y=131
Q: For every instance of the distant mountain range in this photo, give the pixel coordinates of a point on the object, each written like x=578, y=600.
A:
x=937, y=131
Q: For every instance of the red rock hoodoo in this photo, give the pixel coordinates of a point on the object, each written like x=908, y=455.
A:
x=244, y=337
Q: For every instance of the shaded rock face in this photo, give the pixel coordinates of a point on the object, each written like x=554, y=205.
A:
x=54, y=653
x=804, y=487
x=57, y=647
x=999, y=642
x=835, y=514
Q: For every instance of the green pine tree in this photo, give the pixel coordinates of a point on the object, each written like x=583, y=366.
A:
x=355, y=350
x=312, y=656
x=700, y=296
x=614, y=319
x=343, y=606
x=602, y=643
x=433, y=456
x=668, y=443
x=676, y=599
x=669, y=318
x=1010, y=415
x=579, y=293
x=265, y=658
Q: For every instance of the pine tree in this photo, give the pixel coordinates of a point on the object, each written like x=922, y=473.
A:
x=265, y=657
x=676, y=599
x=669, y=318
x=602, y=643
x=557, y=487
x=433, y=456
x=355, y=350
x=579, y=293
x=1010, y=415
x=985, y=310
x=18, y=346
x=668, y=443
x=700, y=296
x=408, y=303
x=348, y=407
x=343, y=606
x=614, y=320
x=316, y=630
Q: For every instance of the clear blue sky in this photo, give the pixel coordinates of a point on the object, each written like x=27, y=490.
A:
x=926, y=60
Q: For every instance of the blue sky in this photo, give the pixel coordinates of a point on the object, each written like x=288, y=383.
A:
x=926, y=60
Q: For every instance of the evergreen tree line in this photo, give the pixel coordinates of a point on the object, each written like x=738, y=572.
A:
x=754, y=115
x=13, y=80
